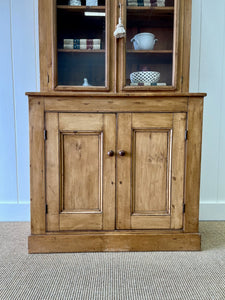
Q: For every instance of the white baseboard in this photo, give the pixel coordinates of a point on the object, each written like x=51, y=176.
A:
x=14, y=212
x=212, y=212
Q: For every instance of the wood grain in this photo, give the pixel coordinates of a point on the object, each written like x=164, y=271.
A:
x=186, y=46
x=150, y=222
x=109, y=172
x=152, y=120
x=46, y=16
x=82, y=165
x=121, y=48
x=109, y=52
x=150, y=172
x=75, y=221
x=52, y=171
x=123, y=196
x=115, y=49
x=88, y=122
x=130, y=104
x=176, y=44
x=37, y=165
x=152, y=94
x=178, y=170
x=82, y=172
x=152, y=183
x=180, y=44
x=88, y=190
x=110, y=241
x=82, y=8
x=193, y=164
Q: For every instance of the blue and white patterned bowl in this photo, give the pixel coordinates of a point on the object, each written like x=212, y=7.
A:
x=145, y=76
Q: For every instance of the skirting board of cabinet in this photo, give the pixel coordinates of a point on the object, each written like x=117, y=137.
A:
x=113, y=241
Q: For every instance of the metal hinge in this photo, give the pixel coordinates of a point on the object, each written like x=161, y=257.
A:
x=182, y=79
x=184, y=206
x=48, y=78
x=46, y=208
x=186, y=135
x=45, y=134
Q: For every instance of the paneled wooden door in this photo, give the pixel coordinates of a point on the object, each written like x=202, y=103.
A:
x=150, y=171
x=80, y=175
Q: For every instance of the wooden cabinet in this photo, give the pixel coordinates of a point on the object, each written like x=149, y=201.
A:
x=147, y=180
x=80, y=176
x=150, y=189
x=115, y=165
x=77, y=42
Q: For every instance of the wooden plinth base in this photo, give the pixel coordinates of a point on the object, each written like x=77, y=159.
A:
x=113, y=241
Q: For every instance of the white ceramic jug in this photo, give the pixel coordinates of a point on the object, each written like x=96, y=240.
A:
x=144, y=41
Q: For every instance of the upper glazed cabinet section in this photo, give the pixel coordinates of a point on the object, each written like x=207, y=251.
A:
x=82, y=44
x=79, y=50
x=150, y=49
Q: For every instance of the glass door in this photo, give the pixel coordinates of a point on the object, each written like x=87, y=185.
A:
x=151, y=44
x=81, y=47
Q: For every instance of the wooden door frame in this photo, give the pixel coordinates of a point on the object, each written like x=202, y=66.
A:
x=182, y=42
x=174, y=124
x=47, y=46
x=59, y=125
x=48, y=50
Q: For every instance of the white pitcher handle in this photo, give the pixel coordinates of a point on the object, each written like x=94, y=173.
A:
x=155, y=40
x=134, y=40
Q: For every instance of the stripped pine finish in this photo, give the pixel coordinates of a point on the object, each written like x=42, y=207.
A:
x=156, y=141
x=112, y=166
x=78, y=141
x=151, y=156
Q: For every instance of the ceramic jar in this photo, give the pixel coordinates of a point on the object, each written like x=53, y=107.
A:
x=144, y=41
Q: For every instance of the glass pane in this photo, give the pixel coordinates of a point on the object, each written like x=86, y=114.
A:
x=149, y=47
x=81, y=42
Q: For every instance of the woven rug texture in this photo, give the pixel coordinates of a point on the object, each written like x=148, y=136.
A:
x=113, y=276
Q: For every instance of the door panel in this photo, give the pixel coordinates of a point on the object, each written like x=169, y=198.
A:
x=83, y=152
x=154, y=187
x=151, y=166
x=83, y=164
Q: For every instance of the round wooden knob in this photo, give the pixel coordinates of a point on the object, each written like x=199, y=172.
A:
x=122, y=153
x=110, y=153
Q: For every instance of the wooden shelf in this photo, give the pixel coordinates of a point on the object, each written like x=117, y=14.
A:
x=164, y=9
x=150, y=57
x=81, y=51
x=146, y=12
x=149, y=51
x=81, y=8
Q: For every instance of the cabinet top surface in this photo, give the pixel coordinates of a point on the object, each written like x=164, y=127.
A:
x=114, y=95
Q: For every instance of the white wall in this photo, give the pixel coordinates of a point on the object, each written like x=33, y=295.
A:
x=208, y=75
x=19, y=72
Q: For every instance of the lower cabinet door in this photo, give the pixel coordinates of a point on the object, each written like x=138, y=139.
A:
x=80, y=175
x=150, y=170
x=93, y=185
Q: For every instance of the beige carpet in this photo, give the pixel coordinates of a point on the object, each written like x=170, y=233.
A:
x=125, y=276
